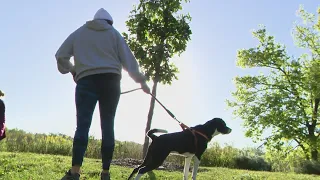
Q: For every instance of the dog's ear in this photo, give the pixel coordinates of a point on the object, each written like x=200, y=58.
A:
x=222, y=126
x=209, y=127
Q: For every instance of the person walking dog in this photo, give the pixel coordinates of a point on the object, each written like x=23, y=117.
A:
x=2, y=119
x=100, y=53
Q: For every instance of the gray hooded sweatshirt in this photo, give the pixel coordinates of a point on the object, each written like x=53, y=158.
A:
x=97, y=47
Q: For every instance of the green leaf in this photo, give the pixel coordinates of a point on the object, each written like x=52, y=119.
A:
x=286, y=99
x=156, y=34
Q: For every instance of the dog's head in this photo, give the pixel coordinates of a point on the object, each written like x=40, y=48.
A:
x=218, y=126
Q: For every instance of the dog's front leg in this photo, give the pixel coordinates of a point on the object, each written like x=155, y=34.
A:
x=186, y=167
x=195, y=168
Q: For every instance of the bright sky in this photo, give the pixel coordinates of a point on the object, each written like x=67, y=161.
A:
x=41, y=100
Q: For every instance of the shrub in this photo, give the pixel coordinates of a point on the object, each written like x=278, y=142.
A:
x=282, y=161
x=219, y=156
x=308, y=167
x=252, y=163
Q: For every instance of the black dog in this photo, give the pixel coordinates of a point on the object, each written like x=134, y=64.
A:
x=188, y=143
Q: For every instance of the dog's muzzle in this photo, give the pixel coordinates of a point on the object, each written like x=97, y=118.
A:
x=229, y=131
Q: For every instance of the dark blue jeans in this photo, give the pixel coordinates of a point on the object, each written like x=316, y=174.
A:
x=105, y=89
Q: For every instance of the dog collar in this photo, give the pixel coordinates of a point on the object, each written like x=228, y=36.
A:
x=183, y=126
x=201, y=134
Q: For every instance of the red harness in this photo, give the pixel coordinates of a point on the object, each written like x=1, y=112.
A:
x=183, y=126
x=194, y=132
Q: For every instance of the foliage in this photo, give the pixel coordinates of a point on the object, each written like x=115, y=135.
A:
x=252, y=163
x=215, y=156
x=309, y=167
x=283, y=161
x=156, y=35
x=286, y=98
x=1, y=93
x=59, y=144
x=291, y=162
x=26, y=166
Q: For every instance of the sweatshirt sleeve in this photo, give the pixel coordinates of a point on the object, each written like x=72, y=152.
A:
x=63, y=55
x=129, y=62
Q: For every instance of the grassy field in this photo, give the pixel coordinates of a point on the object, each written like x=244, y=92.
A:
x=28, y=166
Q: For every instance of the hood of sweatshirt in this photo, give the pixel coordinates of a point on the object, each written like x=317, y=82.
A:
x=98, y=25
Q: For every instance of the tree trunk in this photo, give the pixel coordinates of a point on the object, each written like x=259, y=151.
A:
x=156, y=80
x=306, y=154
x=305, y=151
x=150, y=114
x=312, y=129
x=314, y=154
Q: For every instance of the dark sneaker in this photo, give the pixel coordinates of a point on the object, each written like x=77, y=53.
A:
x=105, y=176
x=70, y=176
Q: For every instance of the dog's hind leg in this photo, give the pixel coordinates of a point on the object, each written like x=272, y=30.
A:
x=186, y=167
x=134, y=172
x=146, y=169
x=146, y=160
x=195, y=168
x=142, y=165
x=152, y=164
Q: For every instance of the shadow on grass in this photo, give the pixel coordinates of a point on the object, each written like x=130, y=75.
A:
x=151, y=175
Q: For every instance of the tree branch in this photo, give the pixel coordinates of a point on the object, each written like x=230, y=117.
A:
x=265, y=141
x=303, y=148
x=308, y=40
x=277, y=87
x=311, y=101
x=297, y=96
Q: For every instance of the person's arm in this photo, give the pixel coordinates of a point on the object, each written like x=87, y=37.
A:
x=129, y=62
x=131, y=65
x=63, y=55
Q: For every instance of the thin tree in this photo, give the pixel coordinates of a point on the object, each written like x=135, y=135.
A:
x=157, y=32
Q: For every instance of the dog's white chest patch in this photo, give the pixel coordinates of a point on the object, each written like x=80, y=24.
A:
x=186, y=154
x=216, y=132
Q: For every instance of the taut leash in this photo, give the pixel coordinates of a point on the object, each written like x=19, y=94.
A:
x=125, y=92
x=182, y=125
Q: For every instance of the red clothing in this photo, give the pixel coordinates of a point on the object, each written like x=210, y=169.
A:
x=2, y=120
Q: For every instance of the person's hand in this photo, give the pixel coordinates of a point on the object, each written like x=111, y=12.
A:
x=145, y=87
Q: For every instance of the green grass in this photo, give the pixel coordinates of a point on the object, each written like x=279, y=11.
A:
x=28, y=166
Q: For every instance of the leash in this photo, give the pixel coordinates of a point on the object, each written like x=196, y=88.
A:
x=168, y=111
x=125, y=92
x=182, y=125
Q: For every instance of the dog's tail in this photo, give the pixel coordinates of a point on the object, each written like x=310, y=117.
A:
x=151, y=132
